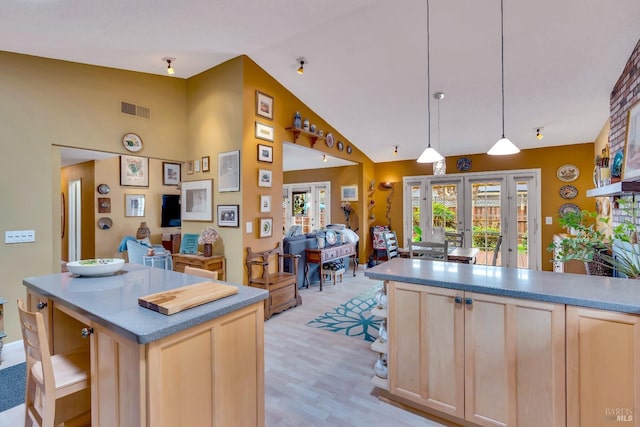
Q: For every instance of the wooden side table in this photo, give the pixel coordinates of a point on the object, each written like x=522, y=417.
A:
x=327, y=254
x=213, y=263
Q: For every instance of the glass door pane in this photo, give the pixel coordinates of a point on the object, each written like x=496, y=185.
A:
x=444, y=206
x=485, y=218
x=416, y=208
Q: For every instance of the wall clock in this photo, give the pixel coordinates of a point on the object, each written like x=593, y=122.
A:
x=132, y=142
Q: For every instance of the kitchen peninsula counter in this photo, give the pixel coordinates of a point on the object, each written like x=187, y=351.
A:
x=494, y=346
x=202, y=366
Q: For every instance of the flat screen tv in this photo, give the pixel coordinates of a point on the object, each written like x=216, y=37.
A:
x=170, y=210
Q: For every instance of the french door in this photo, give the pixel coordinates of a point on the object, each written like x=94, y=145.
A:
x=307, y=205
x=482, y=207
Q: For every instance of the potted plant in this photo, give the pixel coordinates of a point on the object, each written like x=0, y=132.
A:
x=600, y=253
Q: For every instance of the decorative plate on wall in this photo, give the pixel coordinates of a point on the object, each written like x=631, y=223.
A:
x=132, y=142
x=340, y=146
x=103, y=189
x=568, y=207
x=349, y=149
x=105, y=223
x=463, y=164
x=568, y=191
x=568, y=173
x=616, y=167
x=329, y=140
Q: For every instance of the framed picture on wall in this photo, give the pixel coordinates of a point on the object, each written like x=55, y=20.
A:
x=265, y=203
x=196, y=200
x=170, y=173
x=265, y=153
x=266, y=227
x=228, y=215
x=264, y=131
x=205, y=164
x=229, y=171
x=134, y=205
x=134, y=171
x=632, y=144
x=264, y=177
x=349, y=193
x=264, y=105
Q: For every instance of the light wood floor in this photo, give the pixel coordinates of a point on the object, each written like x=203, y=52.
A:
x=312, y=377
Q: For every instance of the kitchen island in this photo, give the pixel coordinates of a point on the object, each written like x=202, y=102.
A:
x=201, y=366
x=489, y=346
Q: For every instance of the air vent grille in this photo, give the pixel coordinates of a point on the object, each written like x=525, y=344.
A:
x=135, y=110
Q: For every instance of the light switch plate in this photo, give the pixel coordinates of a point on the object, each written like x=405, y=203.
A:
x=249, y=227
x=548, y=220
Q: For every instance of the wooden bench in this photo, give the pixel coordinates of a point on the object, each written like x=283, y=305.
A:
x=265, y=271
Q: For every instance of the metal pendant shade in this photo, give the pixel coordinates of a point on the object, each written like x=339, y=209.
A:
x=429, y=155
x=504, y=146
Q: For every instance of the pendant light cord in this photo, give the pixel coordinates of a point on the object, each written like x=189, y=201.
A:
x=428, y=82
x=502, y=57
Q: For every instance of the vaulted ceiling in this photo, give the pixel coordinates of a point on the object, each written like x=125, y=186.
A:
x=365, y=69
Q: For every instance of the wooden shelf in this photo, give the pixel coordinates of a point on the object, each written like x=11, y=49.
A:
x=314, y=137
x=380, y=382
x=380, y=312
x=380, y=347
x=616, y=189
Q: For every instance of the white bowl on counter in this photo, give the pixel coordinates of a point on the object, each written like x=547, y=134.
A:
x=95, y=267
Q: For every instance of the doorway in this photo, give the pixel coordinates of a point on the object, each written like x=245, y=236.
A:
x=482, y=207
x=74, y=208
x=307, y=205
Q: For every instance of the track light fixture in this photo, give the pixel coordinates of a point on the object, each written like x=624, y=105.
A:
x=170, y=70
x=324, y=158
x=301, y=61
x=539, y=134
x=504, y=145
x=395, y=150
x=429, y=155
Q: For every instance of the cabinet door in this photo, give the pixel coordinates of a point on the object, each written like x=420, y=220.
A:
x=514, y=362
x=603, y=368
x=426, y=352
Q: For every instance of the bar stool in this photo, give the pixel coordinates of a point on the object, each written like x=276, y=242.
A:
x=49, y=378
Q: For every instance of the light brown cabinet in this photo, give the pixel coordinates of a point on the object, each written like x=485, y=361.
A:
x=213, y=263
x=603, y=368
x=490, y=360
x=210, y=374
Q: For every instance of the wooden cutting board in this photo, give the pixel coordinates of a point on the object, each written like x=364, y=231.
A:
x=177, y=300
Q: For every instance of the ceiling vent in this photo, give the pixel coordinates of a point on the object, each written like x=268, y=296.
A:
x=135, y=110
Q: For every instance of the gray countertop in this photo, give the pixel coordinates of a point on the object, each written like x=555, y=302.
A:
x=607, y=293
x=112, y=301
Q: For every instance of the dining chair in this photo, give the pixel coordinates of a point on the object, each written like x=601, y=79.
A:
x=434, y=251
x=391, y=244
x=496, y=250
x=50, y=378
x=213, y=275
x=454, y=239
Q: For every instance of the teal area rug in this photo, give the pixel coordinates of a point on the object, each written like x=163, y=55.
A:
x=352, y=318
x=12, y=384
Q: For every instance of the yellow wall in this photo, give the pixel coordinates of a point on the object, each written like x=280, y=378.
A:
x=547, y=159
x=46, y=102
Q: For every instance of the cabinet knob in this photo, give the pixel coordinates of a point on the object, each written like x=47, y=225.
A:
x=458, y=300
x=41, y=305
x=85, y=332
x=468, y=301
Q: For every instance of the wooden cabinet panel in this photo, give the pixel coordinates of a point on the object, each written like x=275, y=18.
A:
x=214, y=263
x=491, y=360
x=603, y=368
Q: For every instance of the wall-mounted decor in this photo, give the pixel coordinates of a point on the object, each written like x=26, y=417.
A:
x=632, y=144
x=196, y=165
x=568, y=192
x=349, y=193
x=189, y=167
x=265, y=203
x=266, y=227
x=105, y=223
x=229, y=171
x=104, y=205
x=264, y=105
x=568, y=173
x=264, y=177
x=205, y=164
x=132, y=142
x=170, y=173
x=228, y=215
x=134, y=205
x=265, y=153
x=349, y=149
x=134, y=171
x=197, y=200
x=463, y=164
x=264, y=131
x=103, y=189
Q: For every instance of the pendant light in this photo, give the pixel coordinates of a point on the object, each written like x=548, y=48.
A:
x=504, y=145
x=430, y=155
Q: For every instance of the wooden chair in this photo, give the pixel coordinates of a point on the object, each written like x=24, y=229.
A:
x=434, y=251
x=391, y=244
x=213, y=275
x=496, y=251
x=50, y=378
x=454, y=239
x=265, y=271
